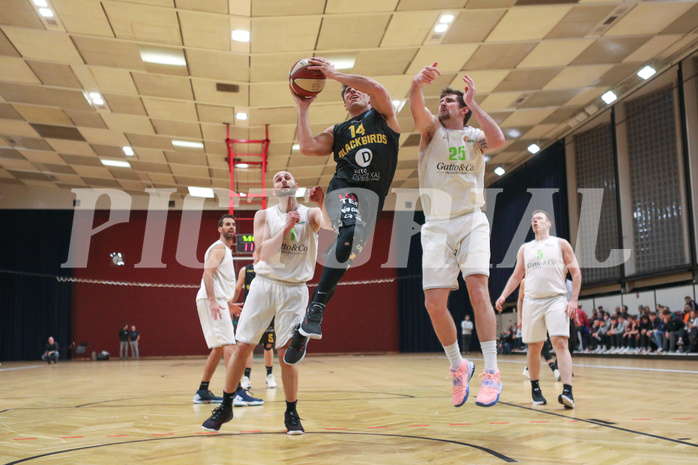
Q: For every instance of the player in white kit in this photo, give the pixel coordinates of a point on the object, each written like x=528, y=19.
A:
x=214, y=303
x=544, y=263
x=456, y=235
x=286, y=241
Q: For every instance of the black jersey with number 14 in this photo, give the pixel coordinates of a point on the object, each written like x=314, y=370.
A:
x=365, y=149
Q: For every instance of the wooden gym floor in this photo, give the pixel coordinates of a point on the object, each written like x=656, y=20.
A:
x=390, y=409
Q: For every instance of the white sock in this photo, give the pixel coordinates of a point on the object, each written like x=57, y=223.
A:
x=453, y=355
x=489, y=351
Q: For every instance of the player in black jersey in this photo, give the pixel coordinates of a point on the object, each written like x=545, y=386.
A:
x=365, y=149
x=245, y=278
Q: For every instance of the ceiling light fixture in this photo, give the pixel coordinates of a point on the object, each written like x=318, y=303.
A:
x=242, y=165
x=533, y=148
x=241, y=116
x=446, y=19
x=499, y=171
x=46, y=12
x=205, y=192
x=95, y=98
x=41, y=3
x=296, y=147
x=241, y=35
x=341, y=60
x=486, y=158
x=647, y=72
x=163, y=57
x=609, y=97
x=116, y=163
x=300, y=192
x=188, y=144
x=128, y=151
x=513, y=133
x=441, y=27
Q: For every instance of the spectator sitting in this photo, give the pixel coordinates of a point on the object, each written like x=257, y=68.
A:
x=51, y=351
x=674, y=331
x=630, y=334
x=691, y=303
x=644, y=334
x=660, y=332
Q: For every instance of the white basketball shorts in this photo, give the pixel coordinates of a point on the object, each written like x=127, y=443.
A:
x=539, y=316
x=269, y=299
x=217, y=332
x=449, y=246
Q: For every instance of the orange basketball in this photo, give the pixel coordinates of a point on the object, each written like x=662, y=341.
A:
x=304, y=82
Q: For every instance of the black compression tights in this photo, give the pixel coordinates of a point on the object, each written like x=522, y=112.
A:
x=330, y=276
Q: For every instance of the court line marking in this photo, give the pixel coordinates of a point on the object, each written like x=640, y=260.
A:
x=217, y=435
x=602, y=423
x=21, y=368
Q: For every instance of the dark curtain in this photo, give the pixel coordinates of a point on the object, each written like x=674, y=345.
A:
x=545, y=171
x=33, y=303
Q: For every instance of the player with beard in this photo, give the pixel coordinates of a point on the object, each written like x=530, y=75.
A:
x=456, y=234
x=214, y=302
x=286, y=241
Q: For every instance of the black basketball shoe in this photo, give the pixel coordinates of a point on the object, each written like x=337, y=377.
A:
x=537, y=397
x=219, y=415
x=566, y=399
x=296, y=350
x=312, y=321
x=293, y=423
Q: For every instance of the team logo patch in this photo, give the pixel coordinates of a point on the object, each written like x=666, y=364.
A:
x=364, y=157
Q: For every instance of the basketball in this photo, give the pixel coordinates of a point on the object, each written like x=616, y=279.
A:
x=304, y=82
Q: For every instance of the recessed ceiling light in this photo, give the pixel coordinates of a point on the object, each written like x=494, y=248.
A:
x=241, y=35
x=242, y=165
x=300, y=192
x=163, y=57
x=486, y=158
x=128, y=150
x=609, y=97
x=242, y=194
x=46, y=12
x=398, y=104
x=94, y=97
x=646, y=72
x=296, y=147
x=513, y=133
x=116, y=163
x=188, y=144
x=205, y=192
x=499, y=171
x=40, y=3
x=440, y=27
x=446, y=19
x=533, y=148
x=343, y=62
x=241, y=116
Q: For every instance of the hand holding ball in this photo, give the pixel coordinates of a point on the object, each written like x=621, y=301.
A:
x=304, y=82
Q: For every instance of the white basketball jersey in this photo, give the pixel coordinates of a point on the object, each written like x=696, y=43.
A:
x=295, y=261
x=452, y=173
x=545, y=268
x=223, y=277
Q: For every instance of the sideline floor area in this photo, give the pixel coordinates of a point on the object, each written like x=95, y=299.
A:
x=391, y=409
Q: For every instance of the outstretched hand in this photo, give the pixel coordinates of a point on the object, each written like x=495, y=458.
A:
x=316, y=195
x=427, y=75
x=469, y=91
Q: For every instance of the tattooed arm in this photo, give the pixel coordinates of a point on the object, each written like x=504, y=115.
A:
x=491, y=137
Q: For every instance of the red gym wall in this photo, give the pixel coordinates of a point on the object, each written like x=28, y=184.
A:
x=360, y=318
